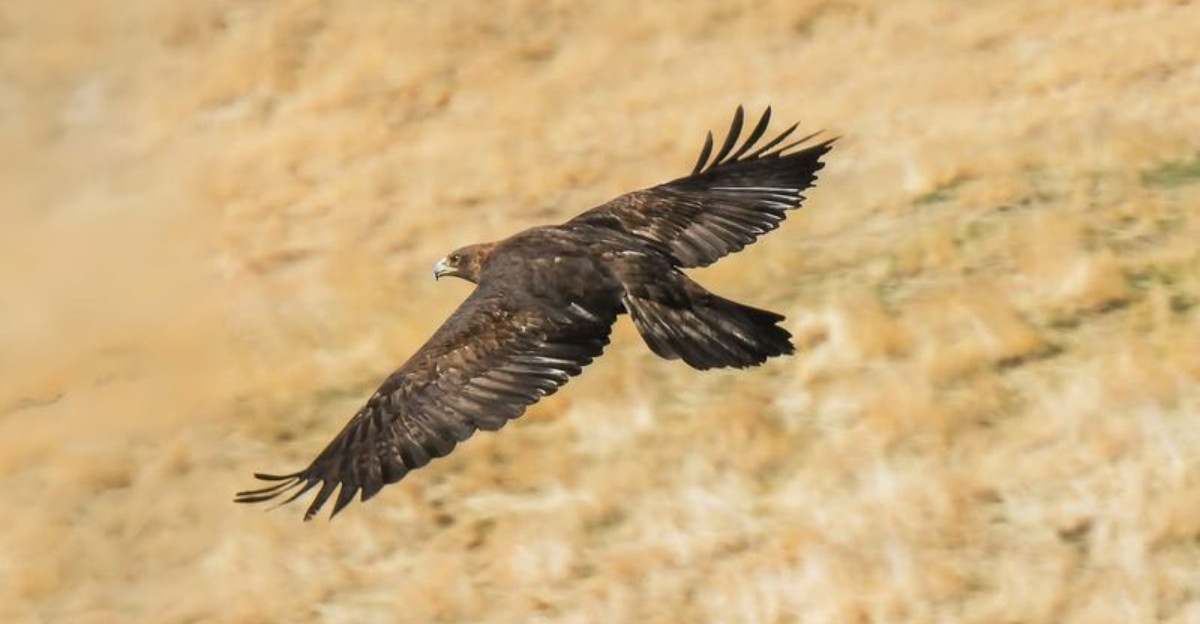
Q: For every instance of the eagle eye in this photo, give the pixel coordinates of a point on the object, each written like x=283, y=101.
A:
x=454, y=258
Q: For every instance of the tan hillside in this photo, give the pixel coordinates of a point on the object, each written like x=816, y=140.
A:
x=218, y=220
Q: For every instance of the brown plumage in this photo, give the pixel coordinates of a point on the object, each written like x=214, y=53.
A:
x=546, y=301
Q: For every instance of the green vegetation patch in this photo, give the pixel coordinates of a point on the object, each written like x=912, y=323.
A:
x=1045, y=352
x=974, y=230
x=1181, y=304
x=943, y=192
x=1173, y=173
x=1145, y=278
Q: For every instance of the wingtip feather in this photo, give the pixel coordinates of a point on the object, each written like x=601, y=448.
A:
x=704, y=153
x=735, y=131
x=759, y=129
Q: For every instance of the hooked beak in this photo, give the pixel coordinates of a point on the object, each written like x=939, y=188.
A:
x=442, y=268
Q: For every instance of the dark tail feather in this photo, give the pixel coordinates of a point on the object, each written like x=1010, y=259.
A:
x=709, y=331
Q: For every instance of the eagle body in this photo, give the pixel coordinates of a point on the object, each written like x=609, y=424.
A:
x=546, y=300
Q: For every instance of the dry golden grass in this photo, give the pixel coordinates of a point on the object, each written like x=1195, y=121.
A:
x=216, y=226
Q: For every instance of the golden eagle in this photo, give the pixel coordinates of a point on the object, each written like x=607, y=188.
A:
x=546, y=300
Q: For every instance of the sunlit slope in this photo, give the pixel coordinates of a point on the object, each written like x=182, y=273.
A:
x=218, y=221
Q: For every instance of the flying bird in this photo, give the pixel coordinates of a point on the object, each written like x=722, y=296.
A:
x=546, y=299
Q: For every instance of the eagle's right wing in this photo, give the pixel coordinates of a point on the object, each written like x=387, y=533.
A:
x=495, y=356
x=725, y=204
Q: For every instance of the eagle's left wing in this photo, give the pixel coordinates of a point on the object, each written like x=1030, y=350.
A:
x=500, y=352
x=725, y=204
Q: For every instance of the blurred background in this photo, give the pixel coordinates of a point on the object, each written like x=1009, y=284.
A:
x=218, y=221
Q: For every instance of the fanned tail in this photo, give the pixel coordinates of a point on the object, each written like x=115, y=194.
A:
x=708, y=331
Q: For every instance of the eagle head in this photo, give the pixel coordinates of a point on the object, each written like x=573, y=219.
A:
x=464, y=262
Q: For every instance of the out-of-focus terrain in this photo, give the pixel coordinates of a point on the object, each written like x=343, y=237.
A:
x=217, y=222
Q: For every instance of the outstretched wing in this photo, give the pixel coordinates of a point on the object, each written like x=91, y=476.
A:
x=725, y=204
x=495, y=356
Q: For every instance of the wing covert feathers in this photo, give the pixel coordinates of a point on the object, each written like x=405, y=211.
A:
x=729, y=200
